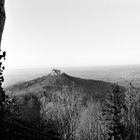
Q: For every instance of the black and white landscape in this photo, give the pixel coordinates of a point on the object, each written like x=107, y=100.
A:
x=70, y=107
x=72, y=70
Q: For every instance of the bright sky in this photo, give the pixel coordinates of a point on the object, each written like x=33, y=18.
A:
x=56, y=33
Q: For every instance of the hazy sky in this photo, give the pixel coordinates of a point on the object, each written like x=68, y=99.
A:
x=55, y=33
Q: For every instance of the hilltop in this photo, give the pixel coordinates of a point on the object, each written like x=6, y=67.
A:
x=56, y=81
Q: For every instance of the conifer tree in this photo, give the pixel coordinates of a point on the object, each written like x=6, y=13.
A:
x=113, y=108
x=132, y=100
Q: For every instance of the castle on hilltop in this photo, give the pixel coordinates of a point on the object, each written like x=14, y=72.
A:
x=55, y=72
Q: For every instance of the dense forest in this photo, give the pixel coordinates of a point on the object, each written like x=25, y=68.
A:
x=65, y=112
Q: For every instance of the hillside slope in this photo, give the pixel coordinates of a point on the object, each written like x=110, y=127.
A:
x=56, y=82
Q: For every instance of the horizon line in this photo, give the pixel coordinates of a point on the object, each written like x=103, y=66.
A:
x=67, y=67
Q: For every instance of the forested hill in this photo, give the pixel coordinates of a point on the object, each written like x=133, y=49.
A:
x=57, y=103
x=56, y=81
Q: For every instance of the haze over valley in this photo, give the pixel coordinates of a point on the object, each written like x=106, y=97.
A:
x=122, y=75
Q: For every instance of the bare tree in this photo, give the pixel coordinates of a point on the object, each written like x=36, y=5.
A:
x=63, y=112
x=92, y=125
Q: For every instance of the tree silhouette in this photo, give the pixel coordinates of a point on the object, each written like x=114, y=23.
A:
x=2, y=93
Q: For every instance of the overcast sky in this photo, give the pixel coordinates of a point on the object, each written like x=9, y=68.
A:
x=56, y=33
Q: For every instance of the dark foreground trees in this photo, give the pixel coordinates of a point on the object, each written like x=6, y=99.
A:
x=122, y=113
x=114, y=110
x=132, y=101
